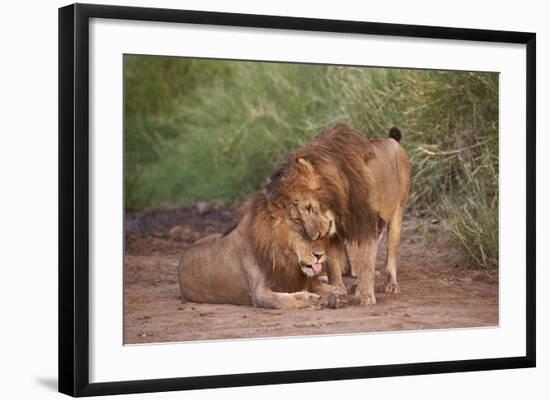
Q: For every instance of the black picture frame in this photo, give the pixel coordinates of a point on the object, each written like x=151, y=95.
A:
x=74, y=198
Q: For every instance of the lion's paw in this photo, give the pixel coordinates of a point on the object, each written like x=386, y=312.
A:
x=369, y=299
x=358, y=299
x=338, y=299
x=306, y=299
x=392, y=288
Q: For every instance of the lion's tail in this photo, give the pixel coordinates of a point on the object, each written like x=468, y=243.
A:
x=395, y=133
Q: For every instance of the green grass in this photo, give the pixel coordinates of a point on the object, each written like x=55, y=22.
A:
x=202, y=130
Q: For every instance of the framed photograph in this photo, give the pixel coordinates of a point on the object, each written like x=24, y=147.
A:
x=252, y=199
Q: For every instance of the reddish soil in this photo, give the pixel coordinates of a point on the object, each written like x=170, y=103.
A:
x=436, y=292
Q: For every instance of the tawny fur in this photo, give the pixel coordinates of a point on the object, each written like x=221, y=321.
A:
x=363, y=183
x=259, y=262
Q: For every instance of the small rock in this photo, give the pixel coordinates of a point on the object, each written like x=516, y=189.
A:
x=177, y=233
x=202, y=207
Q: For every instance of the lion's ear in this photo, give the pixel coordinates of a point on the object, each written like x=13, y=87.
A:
x=306, y=164
x=273, y=183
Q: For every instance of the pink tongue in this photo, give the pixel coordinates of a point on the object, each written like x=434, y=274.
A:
x=317, y=267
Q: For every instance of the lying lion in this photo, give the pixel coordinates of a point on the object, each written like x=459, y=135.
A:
x=264, y=261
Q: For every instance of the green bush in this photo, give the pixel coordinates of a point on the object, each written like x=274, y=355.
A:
x=203, y=130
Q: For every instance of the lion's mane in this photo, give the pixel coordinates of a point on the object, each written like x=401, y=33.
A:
x=271, y=239
x=339, y=157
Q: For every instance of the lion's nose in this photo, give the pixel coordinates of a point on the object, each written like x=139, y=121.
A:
x=312, y=233
x=316, y=235
x=318, y=255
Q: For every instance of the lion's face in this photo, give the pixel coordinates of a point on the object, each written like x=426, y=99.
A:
x=310, y=254
x=308, y=215
x=301, y=194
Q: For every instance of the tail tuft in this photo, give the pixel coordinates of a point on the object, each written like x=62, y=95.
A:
x=395, y=133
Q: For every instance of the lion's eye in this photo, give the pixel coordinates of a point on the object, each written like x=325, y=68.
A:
x=309, y=208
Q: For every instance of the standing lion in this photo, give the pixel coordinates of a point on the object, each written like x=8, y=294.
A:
x=349, y=188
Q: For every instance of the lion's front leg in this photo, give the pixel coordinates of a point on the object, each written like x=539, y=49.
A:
x=363, y=258
x=336, y=263
x=332, y=296
x=264, y=297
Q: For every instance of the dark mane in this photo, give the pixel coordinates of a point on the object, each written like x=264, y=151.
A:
x=338, y=156
x=269, y=236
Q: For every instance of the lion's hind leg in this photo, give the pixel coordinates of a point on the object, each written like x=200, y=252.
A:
x=394, y=238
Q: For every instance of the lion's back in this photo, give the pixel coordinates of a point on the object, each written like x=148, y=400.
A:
x=210, y=271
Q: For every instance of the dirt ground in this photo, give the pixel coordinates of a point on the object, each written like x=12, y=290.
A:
x=436, y=292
